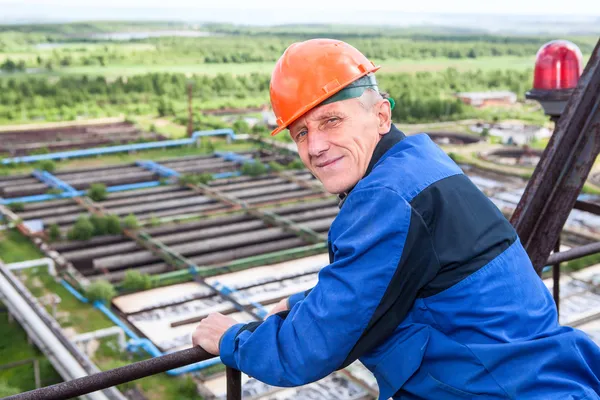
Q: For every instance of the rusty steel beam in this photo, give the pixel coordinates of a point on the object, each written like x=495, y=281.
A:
x=128, y=373
x=561, y=173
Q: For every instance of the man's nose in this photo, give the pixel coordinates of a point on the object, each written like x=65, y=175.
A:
x=317, y=143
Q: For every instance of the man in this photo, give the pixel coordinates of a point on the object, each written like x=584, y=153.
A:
x=428, y=283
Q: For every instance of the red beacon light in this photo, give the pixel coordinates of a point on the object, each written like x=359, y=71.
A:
x=558, y=66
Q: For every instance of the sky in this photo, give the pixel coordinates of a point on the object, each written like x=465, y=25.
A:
x=270, y=12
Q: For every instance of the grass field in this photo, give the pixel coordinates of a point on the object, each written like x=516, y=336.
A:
x=388, y=66
x=15, y=247
x=13, y=348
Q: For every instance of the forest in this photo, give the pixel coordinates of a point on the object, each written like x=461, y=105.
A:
x=60, y=72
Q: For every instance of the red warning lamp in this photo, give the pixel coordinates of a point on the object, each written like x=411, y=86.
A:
x=558, y=66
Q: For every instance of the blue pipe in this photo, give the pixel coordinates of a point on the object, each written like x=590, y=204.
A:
x=132, y=186
x=73, y=291
x=118, y=149
x=65, y=195
x=136, y=342
x=224, y=175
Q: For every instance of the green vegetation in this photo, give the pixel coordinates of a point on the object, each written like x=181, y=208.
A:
x=135, y=280
x=47, y=165
x=100, y=290
x=14, y=347
x=15, y=247
x=72, y=313
x=83, y=229
x=580, y=263
x=275, y=166
x=54, y=233
x=97, y=192
x=113, y=225
x=16, y=207
x=255, y=168
x=54, y=191
x=195, y=179
x=130, y=222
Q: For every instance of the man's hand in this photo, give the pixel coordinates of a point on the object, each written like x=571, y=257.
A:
x=279, y=307
x=208, y=334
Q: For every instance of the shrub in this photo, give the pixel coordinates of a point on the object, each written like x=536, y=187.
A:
x=275, y=166
x=54, y=233
x=82, y=230
x=253, y=168
x=135, y=280
x=97, y=192
x=99, y=224
x=100, y=290
x=296, y=164
x=130, y=222
x=16, y=207
x=113, y=225
x=47, y=165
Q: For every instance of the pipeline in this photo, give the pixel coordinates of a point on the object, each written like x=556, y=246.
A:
x=136, y=342
x=109, y=189
x=34, y=263
x=118, y=149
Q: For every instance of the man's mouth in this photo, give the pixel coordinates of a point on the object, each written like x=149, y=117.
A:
x=328, y=162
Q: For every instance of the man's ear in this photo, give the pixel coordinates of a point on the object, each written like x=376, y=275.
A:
x=383, y=112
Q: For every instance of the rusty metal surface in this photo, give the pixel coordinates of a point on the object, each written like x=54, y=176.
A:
x=234, y=384
x=117, y=376
x=565, y=164
x=556, y=279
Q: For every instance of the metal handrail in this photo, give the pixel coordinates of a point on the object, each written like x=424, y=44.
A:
x=131, y=372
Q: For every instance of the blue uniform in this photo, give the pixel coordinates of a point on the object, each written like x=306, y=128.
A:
x=430, y=287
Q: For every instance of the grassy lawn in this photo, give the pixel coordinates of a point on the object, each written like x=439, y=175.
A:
x=388, y=66
x=70, y=312
x=163, y=126
x=14, y=347
x=15, y=247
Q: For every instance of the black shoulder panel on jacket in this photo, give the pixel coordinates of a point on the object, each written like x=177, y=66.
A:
x=417, y=266
x=468, y=230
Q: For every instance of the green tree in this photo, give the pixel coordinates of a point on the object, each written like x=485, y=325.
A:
x=135, y=280
x=97, y=192
x=82, y=230
x=54, y=233
x=485, y=132
x=130, y=222
x=100, y=290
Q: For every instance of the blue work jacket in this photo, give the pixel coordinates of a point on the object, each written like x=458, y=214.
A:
x=430, y=287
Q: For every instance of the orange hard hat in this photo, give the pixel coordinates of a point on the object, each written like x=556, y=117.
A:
x=309, y=72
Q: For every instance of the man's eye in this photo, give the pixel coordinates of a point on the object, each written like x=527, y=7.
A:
x=333, y=119
x=301, y=134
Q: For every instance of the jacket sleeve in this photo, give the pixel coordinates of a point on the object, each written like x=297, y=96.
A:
x=297, y=297
x=317, y=334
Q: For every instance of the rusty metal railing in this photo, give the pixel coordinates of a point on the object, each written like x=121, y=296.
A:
x=128, y=373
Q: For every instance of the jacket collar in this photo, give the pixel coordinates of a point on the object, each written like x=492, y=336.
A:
x=388, y=141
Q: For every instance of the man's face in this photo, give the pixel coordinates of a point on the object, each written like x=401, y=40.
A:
x=336, y=141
